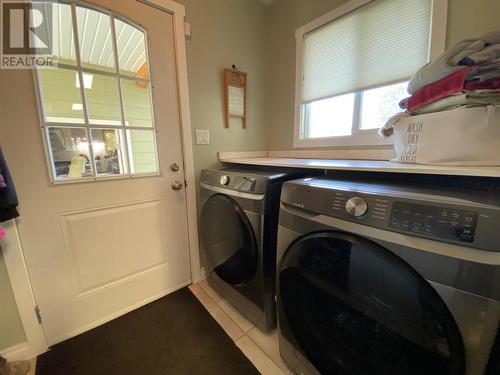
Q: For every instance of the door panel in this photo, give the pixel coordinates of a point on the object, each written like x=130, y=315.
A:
x=99, y=249
x=230, y=249
x=85, y=233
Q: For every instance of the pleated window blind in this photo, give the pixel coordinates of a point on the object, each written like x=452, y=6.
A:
x=382, y=42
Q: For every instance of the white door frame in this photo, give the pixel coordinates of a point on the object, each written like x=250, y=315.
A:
x=36, y=342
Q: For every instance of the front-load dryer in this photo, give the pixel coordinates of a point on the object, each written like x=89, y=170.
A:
x=238, y=234
x=381, y=278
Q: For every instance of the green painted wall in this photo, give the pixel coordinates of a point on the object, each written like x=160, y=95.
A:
x=465, y=19
x=226, y=32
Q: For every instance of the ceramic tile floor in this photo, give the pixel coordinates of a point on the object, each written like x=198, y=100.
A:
x=32, y=367
x=259, y=347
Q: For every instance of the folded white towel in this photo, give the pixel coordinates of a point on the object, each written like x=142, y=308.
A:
x=479, y=50
x=486, y=54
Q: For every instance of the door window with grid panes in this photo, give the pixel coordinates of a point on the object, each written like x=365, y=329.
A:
x=96, y=104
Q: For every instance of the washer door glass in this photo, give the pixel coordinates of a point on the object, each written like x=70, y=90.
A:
x=355, y=308
x=228, y=240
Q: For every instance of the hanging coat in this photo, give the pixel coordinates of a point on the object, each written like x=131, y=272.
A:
x=8, y=197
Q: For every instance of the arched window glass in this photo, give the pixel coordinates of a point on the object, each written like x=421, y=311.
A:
x=96, y=105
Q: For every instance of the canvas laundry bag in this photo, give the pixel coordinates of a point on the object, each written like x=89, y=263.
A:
x=457, y=137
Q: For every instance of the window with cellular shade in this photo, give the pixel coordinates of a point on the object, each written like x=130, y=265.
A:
x=384, y=41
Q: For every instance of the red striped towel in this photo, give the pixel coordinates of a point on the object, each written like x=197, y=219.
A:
x=449, y=85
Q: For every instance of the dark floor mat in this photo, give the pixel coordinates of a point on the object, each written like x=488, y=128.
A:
x=174, y=335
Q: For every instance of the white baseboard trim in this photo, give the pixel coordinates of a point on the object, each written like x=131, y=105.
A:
x=203, y=273
x=19, y=352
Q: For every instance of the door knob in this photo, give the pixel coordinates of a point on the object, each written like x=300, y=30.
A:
x=174, y=167
x=176, y=185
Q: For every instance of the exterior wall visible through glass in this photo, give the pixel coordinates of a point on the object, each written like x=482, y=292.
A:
x=96, y=106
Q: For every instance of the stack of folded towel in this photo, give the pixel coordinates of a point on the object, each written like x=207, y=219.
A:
x=467, y=74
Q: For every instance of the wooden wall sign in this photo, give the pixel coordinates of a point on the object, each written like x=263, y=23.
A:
x=235, y=95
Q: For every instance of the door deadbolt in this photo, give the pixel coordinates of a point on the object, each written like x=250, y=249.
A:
x=174, y=167
x=176, y=185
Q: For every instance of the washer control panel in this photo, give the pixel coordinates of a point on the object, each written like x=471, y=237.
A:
x=348, y=205
x=467, y=218
x=434, y=221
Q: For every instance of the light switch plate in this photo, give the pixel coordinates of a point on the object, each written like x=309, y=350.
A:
x=202, y=137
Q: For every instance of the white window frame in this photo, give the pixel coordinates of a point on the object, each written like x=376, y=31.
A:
x=79, y=69
x=359, y=137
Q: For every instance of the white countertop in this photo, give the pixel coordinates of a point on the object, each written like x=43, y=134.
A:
x=366, y=165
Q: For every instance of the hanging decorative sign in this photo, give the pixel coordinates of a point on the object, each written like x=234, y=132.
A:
x=235, y=95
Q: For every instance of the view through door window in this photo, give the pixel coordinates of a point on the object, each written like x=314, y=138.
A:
x=97, y=104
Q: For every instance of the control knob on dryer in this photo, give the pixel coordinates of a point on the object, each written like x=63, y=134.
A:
x=356, y=207
x=224, y=180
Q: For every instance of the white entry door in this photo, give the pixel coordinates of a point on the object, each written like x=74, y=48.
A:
x=103, y=220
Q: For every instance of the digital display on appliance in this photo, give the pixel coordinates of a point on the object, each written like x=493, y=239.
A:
x=244, y=183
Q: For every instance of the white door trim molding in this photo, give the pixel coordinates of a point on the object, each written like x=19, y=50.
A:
x=11, y=244
x=178, y=12
x=21, y=287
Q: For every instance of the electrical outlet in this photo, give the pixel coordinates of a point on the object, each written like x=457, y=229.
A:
x=187, y=30
x=202, y=137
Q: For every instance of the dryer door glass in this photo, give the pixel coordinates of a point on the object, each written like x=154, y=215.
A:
x=228, y=240
x=355, y=308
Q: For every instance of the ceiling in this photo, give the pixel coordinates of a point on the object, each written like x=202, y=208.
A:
x=95, y=37
x=268, y=2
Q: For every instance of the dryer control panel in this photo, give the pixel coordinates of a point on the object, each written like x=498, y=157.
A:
x=434, y=221
x=245, y=183
x=232, y=181
x=447, y=215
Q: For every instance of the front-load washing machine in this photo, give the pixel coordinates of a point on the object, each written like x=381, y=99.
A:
x=238, y=234
x=388, y=278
